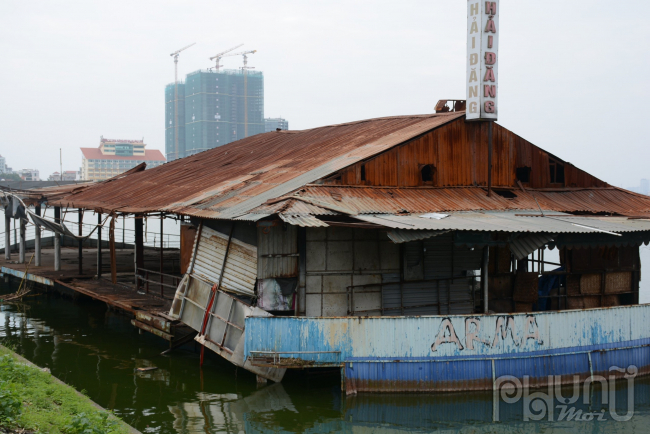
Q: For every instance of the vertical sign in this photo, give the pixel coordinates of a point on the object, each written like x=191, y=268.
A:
x=482, y=59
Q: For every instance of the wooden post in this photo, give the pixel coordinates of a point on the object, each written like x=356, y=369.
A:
x=81, y=242
x=21, y=254
x=57, y=240
x=99, y=245
x=161, y=253
x=111, y=246
x=484, y=277
x=7, y=234
x=139, y=247
x=37, y=238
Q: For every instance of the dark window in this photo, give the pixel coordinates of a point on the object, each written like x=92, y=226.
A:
x=523, y=174
x=427, y=173
x=363, y=172
x=556, y=171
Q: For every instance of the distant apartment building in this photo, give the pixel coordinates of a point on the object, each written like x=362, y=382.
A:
x=3, y=164
x=645, y=187
x=113, y=157
x=29, y=174
x=272, y=124
x=214, y=108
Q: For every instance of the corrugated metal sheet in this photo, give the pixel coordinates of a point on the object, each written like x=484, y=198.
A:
x=241, y=266
x=524, y=245
x=252, y=217
x=278, y=251
x=462, y=352
x=303, y=220
x=510, y=222
x=399, y=236
x=228, y=181
x=224, y=322
x=387, y=200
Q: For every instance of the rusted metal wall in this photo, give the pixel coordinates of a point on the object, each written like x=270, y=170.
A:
x=437, y=279
x=459, y=352
x=338, y=258
x=277, y=249
x=188, y=236
x=459, y=153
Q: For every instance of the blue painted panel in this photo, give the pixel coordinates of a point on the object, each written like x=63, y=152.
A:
x=457, y=353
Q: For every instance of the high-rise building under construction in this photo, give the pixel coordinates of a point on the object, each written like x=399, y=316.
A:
x=214, y=108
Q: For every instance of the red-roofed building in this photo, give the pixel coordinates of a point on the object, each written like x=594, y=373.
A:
x=113, y=157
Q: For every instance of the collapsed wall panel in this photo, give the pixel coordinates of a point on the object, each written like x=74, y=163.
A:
x=216, y=312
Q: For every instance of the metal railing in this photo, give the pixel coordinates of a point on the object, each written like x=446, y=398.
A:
x=147, y=279
x=276, y=358
x=123, y=236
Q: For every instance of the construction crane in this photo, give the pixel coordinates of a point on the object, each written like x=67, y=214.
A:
x=220, y=55
x=175, y=56
x=245, y=69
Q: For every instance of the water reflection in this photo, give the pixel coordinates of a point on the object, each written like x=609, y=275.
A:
x=94, y=349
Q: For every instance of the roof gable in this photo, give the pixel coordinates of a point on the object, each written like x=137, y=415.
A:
x=230, y=180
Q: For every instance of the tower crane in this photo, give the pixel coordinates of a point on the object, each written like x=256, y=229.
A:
x=220, y=55
x=245, y=69
x=175, y=56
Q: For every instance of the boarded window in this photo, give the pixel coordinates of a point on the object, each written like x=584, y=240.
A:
x=556, y=171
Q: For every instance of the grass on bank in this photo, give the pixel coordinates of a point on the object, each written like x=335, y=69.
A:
x=31, y=399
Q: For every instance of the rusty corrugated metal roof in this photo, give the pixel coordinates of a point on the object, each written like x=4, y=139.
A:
x=230, y=180
x=388, y=200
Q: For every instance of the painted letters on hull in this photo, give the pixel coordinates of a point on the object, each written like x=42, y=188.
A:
x=459, y=352
x=482, y=59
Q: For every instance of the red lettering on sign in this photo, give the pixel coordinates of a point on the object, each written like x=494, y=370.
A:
x=489, y=75
x=489, y=91
x=490, y=8
x=489, y=107
x=490, y=41
x=490, y=26
x=490, y=58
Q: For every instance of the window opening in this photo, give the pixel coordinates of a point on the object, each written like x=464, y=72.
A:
x=523, y=173
x=556, y=171
x=427, y=173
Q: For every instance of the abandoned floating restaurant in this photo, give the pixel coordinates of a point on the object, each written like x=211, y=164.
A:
x=391, y=249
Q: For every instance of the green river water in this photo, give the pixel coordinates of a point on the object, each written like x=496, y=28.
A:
x=97, y=350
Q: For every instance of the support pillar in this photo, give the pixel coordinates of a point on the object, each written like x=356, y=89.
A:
x=37, y=238
x=99, y=245
x=21, y=254
x=162, y=257
x=57, y=240
x=139, y=247
x=484, y=277
x=7, y=235
x=80, y=254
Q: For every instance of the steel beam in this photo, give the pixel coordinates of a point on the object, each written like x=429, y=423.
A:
x=7, y=235
x=37, y=239
x=57, y=240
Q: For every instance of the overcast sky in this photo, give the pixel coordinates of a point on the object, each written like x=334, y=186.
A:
x=573, y=74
